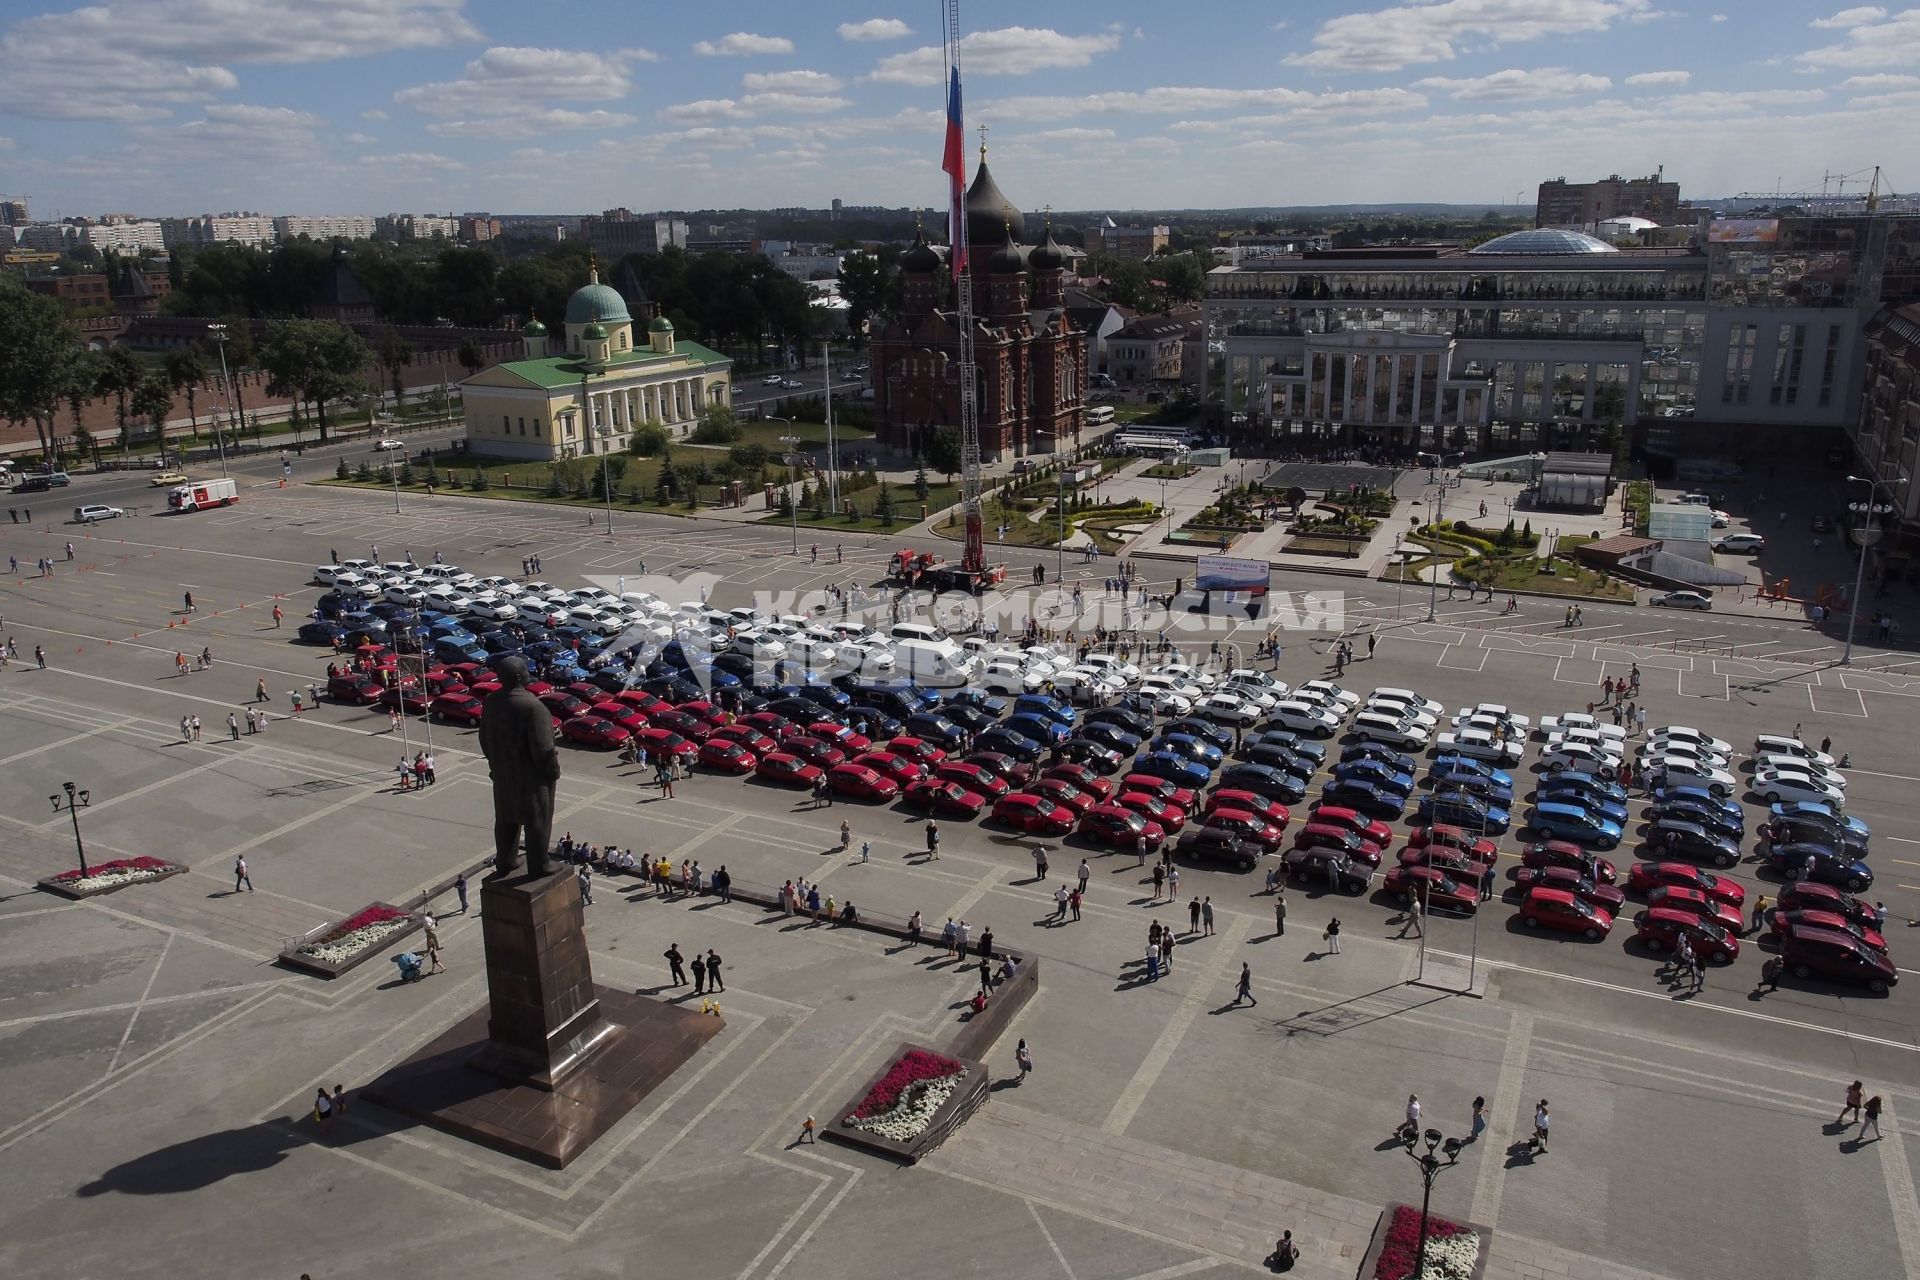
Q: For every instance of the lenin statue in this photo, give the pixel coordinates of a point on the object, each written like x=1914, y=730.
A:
x=516, y=735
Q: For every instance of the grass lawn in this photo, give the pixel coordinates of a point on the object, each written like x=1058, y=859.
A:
x=767, y=435
x=906, y=509
x=1169, y=471
x=523, y=481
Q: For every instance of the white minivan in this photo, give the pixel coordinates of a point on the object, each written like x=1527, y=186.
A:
x=938, y=664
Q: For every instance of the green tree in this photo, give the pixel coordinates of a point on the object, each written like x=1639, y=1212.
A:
x=717, y=425
x=471, y=358
x=921, y=489
x=83, y=443
x=186, y=374
x=871, y=287
x=786, y=504
x=82, y=380
x=883, y=505
x=750, y=458
x=153, y=400
x=649, y=440
x=119, y=375
x=943, y=451
x=315, y=360
x=667, y=480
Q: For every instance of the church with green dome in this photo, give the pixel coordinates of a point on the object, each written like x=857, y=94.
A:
x=586, y=390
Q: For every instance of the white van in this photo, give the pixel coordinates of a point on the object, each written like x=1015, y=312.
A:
x=920, y=631
x=938, y=664
x=1099, y=415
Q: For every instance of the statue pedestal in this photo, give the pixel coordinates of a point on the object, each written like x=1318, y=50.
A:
x=554, y=1061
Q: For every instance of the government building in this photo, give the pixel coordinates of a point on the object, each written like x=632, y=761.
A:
x=589, y=395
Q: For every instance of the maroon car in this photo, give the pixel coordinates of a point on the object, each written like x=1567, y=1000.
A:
x=1661, y=928
x=1645, y=877
x=1562, y=853
x=1440, y=888
x=899, y=768
x=1574, y=881
x=788, y=770
x=460, y=708
x=727, y=756
x=594, y=731
x=1032, y=814
x=944, y=799
x=1119, y=828
x=359, y=690
x=857, y=782
x=813, y=750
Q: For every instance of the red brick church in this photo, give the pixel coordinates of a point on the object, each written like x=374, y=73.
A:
x=1031, y=360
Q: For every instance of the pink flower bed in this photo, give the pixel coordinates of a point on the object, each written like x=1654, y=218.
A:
x=371, y=916
x=108, y=868
x=914, y=1067
x=1402, y=1247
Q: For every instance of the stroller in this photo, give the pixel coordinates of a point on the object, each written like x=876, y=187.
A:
x=409, y=966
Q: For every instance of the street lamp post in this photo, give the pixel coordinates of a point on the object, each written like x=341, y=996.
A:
x=1436, y=513
x=219, y=332
x=75, y=800
x=1430, y=1167
x=793, y=499
x=606, y=484
x=1868, y=510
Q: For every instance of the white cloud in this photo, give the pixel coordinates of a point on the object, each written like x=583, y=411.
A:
x=1069, y=135
x=1893, y=43
x=1413, y=33
x=8, y=144
x=1173, y=100
x=1009, y=51
x=413, y=161
x=1718, y=17
x=1848, y=18
x=875, y=29
x=530, y=123
x=791, y=82
x=1514, y=84
x=506, y=79
x=1645, y=78
x=752, y=105
x=360, y=139
x=373, y=113
x=742, y=45
x=1880, y=81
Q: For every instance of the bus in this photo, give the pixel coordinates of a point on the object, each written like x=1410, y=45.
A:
x=1099, y=415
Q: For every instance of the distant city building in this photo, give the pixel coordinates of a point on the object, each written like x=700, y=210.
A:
x=805, y=266
x=1243, y=249
x=476, y=228
x=417, y=226
x=618, y=232
x=79, y=291
x=1095, y=320
x=1138, y=243
x=220, y=228
x=124, y=236
x=1887, y=435
x=325, y=226
x=837, y=209
x=138, y=293
x=739, y=248
x=1152, y=348
x=1560, y=203
x=588, y=397
x=13, y=213
x=47, y=237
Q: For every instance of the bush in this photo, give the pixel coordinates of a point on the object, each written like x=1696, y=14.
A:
x=363, y=471
x=342, y=471
x=480, y=482
x=921, y=488
x=406, y=473
x=717, y=426
x=649, y=441
x=883, y=506
x=556, y=488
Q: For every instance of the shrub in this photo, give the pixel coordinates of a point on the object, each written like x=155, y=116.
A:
x=363, y=471
x=480, y=482
x=921, y=488
x=717, y=426
x=649, y=440
x=342, y=471
x=406, y=473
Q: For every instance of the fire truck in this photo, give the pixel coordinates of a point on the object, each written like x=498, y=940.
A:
x=199, y=494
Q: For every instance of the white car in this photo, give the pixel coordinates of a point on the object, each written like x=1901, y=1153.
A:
x=764, y=643
x=1407, y=696
x=1228, y=708
x=1688, y=734
x=1263, y=697
x=1683, y=600
x=1126, y=671
x=1776, y=786
x=1783, y=764
x=1779, y=745
x=1519, y=724
x=447, y=600
x=1550, y=725
x=542, y=589
x=1429, y=713
x=400, y=568
x=1247, y=675
x=358, y=566
x=1168, y=703
x=1581, y=756
x=324, y=574
x=1390, y=730
x=1085, y=686
x=388, y=446
x=812, y=651
x=1010, y=677
x=593, y=595
x=405, y=594
x=1328, y=691
x=1309, y=718
x=488, y=605
x=1675, y=770
x=1612, y=745
x=771, y=380
x=1105, y=679
x=1740, y=543
x=505, y=588
x=540, y=608
x=1181, y=671
x=1482, y=743
x=1655, y=751
x=347, y=582
x=1156, y=684
x=867, y=658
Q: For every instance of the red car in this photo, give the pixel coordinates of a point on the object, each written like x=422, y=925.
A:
x=621, y=714
x=1179, y=797
x=461, y=708
x=1682, y=899
x=470, y=671
x=841, y=736
x=1661, y=928
x=1327, y=835
x=483, y=686
x=1561, y=853
x=771, y=723
x=973, y=778
x=917, y=749
x=1825, y=897
x=538, y=687
x=442, y=681
x=1440, y=889
x=584, y=690
x=1064, y=794
x=1247, y=802
x=1171, y=818
x=702, y=708
x=561, y=706
x=1248, y=826
x=788, y=770
x=1119, y=828
x=1101, y=789
x=1557, y=909
x=1575, y=882
x=1455, y=861
x=410, y=698
x=945, y=799
x=594, y=731
x=857, y=782
x=1811, y=918
x=899, y=768
x=1645, y=877
x=813, y=750
x=727, y=756
x=639, y=699
x=1353, y=820
x=660, y=743
x=1446, y=837
x=752, y=739
x=1015, y=773
x=1035, y=815
x=359, y=690
x=688, y=726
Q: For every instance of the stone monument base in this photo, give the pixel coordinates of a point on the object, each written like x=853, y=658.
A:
x=441, y=1086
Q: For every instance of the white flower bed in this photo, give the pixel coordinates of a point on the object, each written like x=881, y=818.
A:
x=115, y=878
x=349, y=945
x=908, y=1118
x=1452, y=1257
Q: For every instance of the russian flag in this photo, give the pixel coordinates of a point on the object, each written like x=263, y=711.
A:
x=955, y=164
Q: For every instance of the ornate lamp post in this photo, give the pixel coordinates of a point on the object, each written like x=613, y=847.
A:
x=1430, y=1167
x=72, y=803
x=218, y=332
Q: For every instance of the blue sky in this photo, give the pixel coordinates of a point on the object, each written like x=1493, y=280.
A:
x=370, y=106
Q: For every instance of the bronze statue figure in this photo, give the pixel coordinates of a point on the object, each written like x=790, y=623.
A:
x=516, y=735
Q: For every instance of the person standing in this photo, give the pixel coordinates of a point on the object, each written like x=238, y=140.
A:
x=1870, y=1119
x=699, y=974
x=1333, y=936
x=913, y=930
x=1086, y=873
x=1173, y=883
x=1856, y=1093
x=1206, y=916
x=586, y=885
x=676, y=965
x=1479, y=1125
x=933, y=839
x=1060, y=903
x=240, y=876
x=1140, y=850
x=947, y=936
x=986, y=976
x=460, y=891
x=1159, y=879
x=1023, y=1059
x=713, y=971
x=1280, y=913
x=196, y=728
x=1073, y=904
x=323, y=1111
x=1540, y=1122
x=1759, y=913
x=1244, y=994
x=962, y=933
x=986, y=943
x=233, y=727
x=1193, y=915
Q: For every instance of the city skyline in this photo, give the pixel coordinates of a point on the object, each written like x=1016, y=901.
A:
x=178, y=107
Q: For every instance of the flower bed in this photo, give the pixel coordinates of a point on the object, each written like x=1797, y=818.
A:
x=1453, y=1251
x=909, y=1108
x=331, y=951
x=110, y=877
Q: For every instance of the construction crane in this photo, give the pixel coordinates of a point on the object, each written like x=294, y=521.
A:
x=973, y=553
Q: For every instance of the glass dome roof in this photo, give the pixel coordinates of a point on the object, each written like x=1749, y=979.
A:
x=1543, y=240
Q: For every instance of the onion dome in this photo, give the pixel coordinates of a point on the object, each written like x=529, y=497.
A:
x=920, y=259
x=534, y=329
x=990, y=215
x=660, y=325
x=1007, y=259
x=1048, y=256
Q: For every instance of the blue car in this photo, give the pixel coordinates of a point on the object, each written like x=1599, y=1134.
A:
x=1661, y=795
x=1362, y=797
x=1178, y=770
x=1111, y=735
x=1205, y=730
x=1378, y=772
x=450, y=650
x=322, y=631
x=1189, y=747
x=879, y=723
x=987, y=702
x=1038, y=704
x=1557, y=821
x=1314, y=751
x=1396, y=761
x=1039, y=728
x=1460, y=809
x=1452, y=764
x=1008, y=742
x=1581, y=787
x=1284, y=759
x=824, y=694
x=931, y=725
x=1814, y=809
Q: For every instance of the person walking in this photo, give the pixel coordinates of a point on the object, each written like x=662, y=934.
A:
x=40, y=656
x=699, y=974
x=1166, y=950
x=189, y=600
x=194, y=724
x=1769, y=975
x=1206, y=916
x=713, y=971
x=1086, y=873
x=933, y=840
x=240, y=876
x=1333, y=936
x=1870, y=1119
x=586, y=885
x=666, y=781
x=676, y=965
x=433, y=946
x=1759, y=913
x=1856, y=1093
x=1479, y=1125
x=806, y=1129
x=1244, y=993
x=323, y=1111
x=1540, y=1122
x=460, y=891
x=1023, y=1059
x=1280, y=914
x=986, y=976
x=260, y=690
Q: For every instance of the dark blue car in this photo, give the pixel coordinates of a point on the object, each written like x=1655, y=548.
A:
x=1453, y=763
x=1039, y=728
x=1397, y=761
x=942, y=732
x=1362, y=797
x=1198, y=750
x=1178, y=770
x=1378, y=773
x=321, y=631
x=1039, y=704
x=1459, y=809
x=1265, y=781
